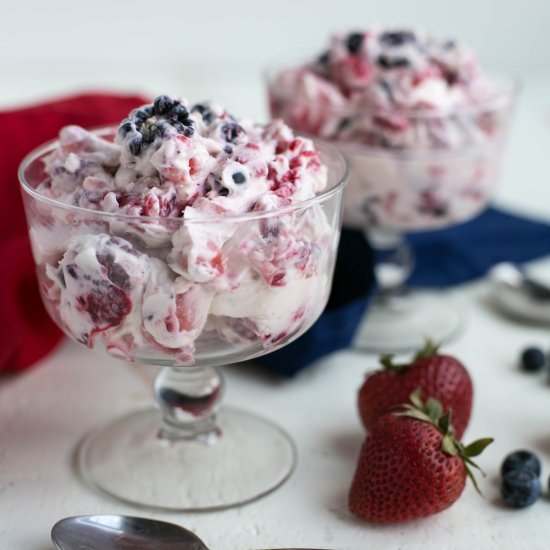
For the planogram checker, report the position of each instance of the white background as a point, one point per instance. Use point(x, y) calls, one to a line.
point(206, 49)
point(215, 49)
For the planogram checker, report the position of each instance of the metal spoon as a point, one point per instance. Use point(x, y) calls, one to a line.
point(115, 532)
point(519, 294)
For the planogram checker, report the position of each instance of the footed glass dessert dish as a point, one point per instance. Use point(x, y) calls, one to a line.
point(424, 132)
point(186, 240)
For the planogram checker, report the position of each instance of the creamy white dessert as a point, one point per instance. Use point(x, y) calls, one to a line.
point(188, 233)
point(419, 121)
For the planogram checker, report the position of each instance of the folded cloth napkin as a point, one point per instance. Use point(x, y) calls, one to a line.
point(443, 258)
point(467, 251)
point(27, 332)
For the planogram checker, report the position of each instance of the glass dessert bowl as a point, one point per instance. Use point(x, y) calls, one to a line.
point(184, 249)
point(424, 133)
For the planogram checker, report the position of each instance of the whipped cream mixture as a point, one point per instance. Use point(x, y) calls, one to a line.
point(156, 262)
point(416, 116)
point(367, 86)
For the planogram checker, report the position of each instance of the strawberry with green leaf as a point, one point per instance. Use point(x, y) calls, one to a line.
point(411, 464)
point(442, 377)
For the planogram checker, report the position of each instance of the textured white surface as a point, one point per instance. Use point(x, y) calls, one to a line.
point(246, 31)
point(45, 411)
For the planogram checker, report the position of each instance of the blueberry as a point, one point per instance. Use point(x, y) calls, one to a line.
point(178, 126)
point(344, 123)
point(182, 129)
point(135, 145)
point(162, 105)
point(238, 177)
point(126, 126)
point(61, 277)
point(139, 117)
point(180, 112)
point(142, 114)
point(533, 359)
point(324, 58)
point(392, 62)
point(521, 460)
point(71, 270)
point(396, 38)
point(387, 87)
point(354, 42)
point(204, 111)
point(439, 211)
point(228, 149)
point(188, 131)
point(520, 488)
point(231, 131)
point(160, 128)
point(223, 192)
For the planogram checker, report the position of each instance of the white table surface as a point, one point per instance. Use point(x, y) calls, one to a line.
point(45, 411)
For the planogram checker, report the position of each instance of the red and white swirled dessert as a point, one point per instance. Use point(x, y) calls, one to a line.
point(187, 235)
point(420, 122)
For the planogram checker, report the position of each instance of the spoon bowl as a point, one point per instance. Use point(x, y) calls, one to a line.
point(117, 532)
point(519, 294)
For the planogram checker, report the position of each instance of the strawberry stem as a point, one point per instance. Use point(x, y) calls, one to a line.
point(429, 350)
point(387, 362)
point(431, 411)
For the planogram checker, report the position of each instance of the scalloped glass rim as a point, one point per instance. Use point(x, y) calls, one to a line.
point(325, 149)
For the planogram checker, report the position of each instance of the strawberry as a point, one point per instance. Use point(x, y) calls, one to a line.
point(411, 465)
point(439, 376)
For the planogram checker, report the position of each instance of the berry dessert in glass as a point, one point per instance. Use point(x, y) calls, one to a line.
point(185, 239)
point(423, 129)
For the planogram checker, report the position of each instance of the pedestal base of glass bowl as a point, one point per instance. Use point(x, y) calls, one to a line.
point(218, 461)
point(402, 324)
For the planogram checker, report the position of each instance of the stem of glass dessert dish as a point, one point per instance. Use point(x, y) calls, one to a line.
point(393, 264)
point(189, 398)
point(188, 453)
point(400, 320)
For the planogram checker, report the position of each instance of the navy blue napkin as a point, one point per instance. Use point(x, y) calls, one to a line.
point(443, 258)
point(465, 252)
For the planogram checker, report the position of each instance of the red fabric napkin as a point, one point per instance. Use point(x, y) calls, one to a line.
point(27, 333)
